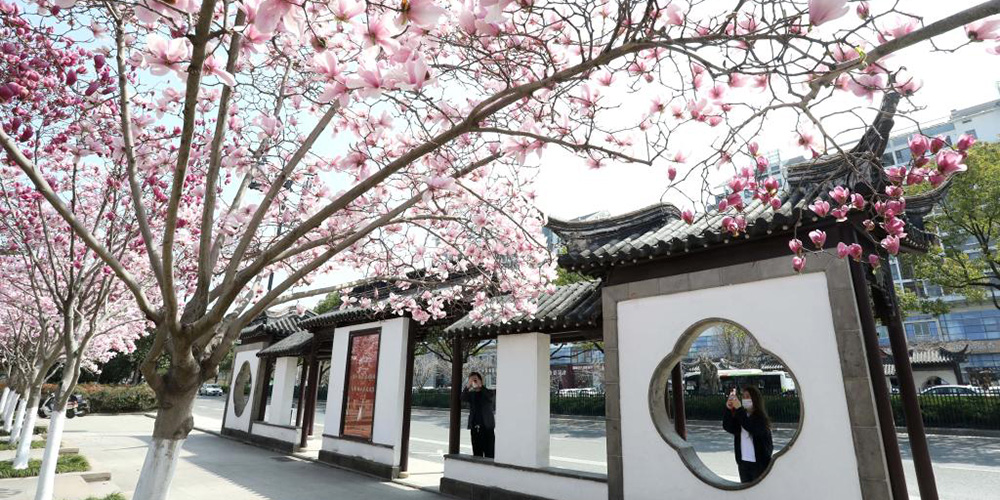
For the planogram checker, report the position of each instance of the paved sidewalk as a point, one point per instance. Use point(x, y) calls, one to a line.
point(212, 468)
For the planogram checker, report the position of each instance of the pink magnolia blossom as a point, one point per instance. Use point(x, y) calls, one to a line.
point(369, 80)
point(687, 216)
point(874, 260)
point(822, 11)
point(675, 14)
point(422, 13)
point(805, 140)
point(820, 208)
point(891, 244)
point(965, 142)
point(937, 143)
point(377, 35)
point(798, 263)
point(164, 56)
point(346, 10)
point(982, 30)
point(864, 10)
point(842, 250)
point(795, 245)
point(857, 201)
point(950, 162)
point(671, 173)
point(919, 144)
point(286, 12)
point(818, 237)
point(840, 194)
point(213, 67)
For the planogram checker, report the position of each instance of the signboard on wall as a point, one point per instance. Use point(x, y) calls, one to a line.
point(362, 378)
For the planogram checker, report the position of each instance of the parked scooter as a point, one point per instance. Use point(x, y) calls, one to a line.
point(76, 406)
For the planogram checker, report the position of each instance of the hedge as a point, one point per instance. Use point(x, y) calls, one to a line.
point(66, 463)
point(35, 445)
point(118, 398)
point(782, 409)
point(976, 412)
point(40, 430)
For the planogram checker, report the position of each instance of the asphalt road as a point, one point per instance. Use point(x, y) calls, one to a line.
point(966, 468)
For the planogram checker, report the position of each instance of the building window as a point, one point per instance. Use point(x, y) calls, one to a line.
point(887, 159)
point(903, 156)
point(922, 330)
point(971, 133)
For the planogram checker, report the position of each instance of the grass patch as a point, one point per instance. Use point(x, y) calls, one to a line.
point(66, 463)
point(39, 431)
point(113, 496)
point(35, 445)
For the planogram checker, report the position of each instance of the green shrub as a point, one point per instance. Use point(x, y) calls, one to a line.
point(35, 445)
point(66, 463)
point(118, 398)
point(976, 412)
point(113, 496)
point(40, 430)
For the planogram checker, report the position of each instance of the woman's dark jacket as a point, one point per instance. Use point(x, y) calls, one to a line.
point(763, 447)
point(480, 407)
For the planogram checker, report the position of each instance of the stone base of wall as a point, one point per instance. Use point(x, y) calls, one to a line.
point(261, 441)
point(469, 491)
point(379, 470)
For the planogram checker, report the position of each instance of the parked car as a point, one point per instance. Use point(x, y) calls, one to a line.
point(951, 390)
point(77, 406)
point(210, 390)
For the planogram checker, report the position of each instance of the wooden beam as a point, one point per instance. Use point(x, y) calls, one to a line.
point(411, 348)
point(876, 371)
point(455, 406)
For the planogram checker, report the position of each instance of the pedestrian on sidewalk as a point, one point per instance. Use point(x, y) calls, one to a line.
point(481, 422)
point(746, 419)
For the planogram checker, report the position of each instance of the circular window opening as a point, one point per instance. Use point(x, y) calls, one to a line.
point(733, 392)
point(241, 390)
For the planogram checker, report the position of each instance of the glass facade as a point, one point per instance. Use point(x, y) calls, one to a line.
point(976, 324)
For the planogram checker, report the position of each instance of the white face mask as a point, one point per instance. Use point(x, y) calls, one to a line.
point(747, 403)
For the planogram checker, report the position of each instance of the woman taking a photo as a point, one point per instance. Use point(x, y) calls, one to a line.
point(746, 419)
point(481, 422)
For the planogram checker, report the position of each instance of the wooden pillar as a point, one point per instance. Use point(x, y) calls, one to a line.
point(302, 392)
point(304, 397)
point(908, 390)
point(883, 406)
point(313, 391)
point(265, 381)
point(677, 383)
point(455, 406)
point(411, 348)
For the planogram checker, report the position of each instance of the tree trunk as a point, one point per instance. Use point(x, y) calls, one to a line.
point(8, 417)
point(18, 419)
point(47, 474)
point(3, 400)
point(27, 431)
point(173, 424)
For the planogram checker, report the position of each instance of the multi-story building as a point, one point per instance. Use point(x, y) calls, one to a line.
point(975, 325)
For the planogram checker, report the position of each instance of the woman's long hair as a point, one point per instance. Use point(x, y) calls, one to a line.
point(758, 404)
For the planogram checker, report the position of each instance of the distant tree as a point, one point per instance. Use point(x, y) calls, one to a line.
point(738, 347)
point(329, 303)
point(968, 225)
point(564, 277)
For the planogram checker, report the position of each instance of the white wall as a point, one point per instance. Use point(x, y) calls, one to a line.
point(522, 400)
point(242, 423)
point(538, 484)
point(280, 408)
point(791, 317)
point(389, 391)
point(286, 434)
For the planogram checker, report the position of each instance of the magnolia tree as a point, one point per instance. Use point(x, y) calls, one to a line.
point(290, 138)
point(65, 288)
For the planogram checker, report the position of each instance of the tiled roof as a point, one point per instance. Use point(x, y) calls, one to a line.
point(571, 307)
point(279, 325)
point(926, 358)
point(658, 231)
point(295, 344)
